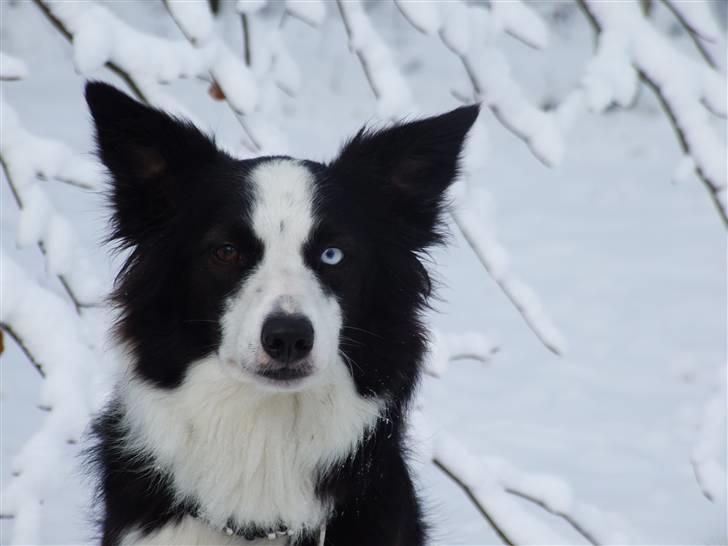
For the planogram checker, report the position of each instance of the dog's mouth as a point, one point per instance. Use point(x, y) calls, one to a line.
point(285, 376)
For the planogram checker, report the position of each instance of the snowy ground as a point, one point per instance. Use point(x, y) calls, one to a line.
point(631, 266)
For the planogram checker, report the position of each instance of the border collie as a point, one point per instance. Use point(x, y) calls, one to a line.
point(271, 310)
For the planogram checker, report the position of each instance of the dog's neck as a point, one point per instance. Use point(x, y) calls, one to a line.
point(243, 455)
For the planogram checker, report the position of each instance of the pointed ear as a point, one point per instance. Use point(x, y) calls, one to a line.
point(412, 164)
point(146, 151)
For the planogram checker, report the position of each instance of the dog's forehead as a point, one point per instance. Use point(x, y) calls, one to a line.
point(283, 203)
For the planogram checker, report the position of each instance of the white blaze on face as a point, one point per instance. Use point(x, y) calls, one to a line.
point(282, 218)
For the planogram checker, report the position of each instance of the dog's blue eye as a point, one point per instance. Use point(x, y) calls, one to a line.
point(332, 256)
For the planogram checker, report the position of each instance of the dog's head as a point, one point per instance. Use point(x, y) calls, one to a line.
point(280, 268)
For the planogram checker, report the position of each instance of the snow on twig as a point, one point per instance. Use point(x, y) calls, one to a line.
point(688, 91)
point(229, 72)
point(12, 68)
point(493, 485)
point(24, 157)
point(312, 12)
point(460, 25)
point(707, 453)
point(389, 86)
point(509, 520)
point(227, 69)
point(446, 348)
point(473, 215)
point(704, 30)
point(49, 330)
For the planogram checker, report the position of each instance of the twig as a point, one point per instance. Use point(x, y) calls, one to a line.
point(37, 365)
point(362, 59)
point(694, 34)
point(474, 499)
point(552, 341)
point(246, 39)
point(566, 517)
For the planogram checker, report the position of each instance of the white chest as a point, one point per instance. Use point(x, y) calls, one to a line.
point(244, 454)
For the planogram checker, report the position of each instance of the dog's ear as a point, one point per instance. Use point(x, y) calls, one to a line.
point(146, 151)
point(411, 164)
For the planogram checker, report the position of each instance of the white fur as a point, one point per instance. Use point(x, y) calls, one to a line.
point(243, 452)
point(282, 217)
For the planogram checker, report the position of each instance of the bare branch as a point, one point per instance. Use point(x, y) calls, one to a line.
point(23, 347)
point(474, 499)
point(558, 513)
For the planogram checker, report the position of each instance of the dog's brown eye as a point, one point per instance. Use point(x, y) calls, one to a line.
point(227, 254)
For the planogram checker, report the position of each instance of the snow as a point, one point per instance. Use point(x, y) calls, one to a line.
point(49, 330)
point(249, 6)
point(445, 348)
point(490, 73)
point(684, 84)
point(194, 17)
point(456, 28)
point(25, 157)
point(474, 217)
point(611, 435)
point(12, 68)
point(684, 170)
point(311, 11)
point(708, 457)
point(235, 80)
point(394, 99)
point(100, 37)
point(423, 15)
point(521, 21)
point(699, 18)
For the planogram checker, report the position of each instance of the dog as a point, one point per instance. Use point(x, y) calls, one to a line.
point(271, 312)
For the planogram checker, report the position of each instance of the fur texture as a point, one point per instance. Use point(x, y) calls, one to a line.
point(271, 312)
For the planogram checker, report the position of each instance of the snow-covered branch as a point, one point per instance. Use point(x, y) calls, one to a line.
point(12, 68)
point(311, 12)
point(493, 485)
point(234, 77)
point(49, 330)
point(24, 157)
point(704, 30)
point(446, 348)
point(228, 72)
point(390, 89)
point(473, 215)
point(708, 457)
point(470, 32)
point(144, 61)
point(688, 91)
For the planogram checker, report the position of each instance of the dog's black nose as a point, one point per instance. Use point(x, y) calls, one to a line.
point(287, 338)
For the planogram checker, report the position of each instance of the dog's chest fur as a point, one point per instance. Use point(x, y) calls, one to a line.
point(242, 454)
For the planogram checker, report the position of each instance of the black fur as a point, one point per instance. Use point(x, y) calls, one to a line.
point(175, 195)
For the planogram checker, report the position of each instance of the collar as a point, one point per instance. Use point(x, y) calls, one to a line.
point(255, 533)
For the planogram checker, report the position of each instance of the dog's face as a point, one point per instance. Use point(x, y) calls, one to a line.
point(281, 268)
